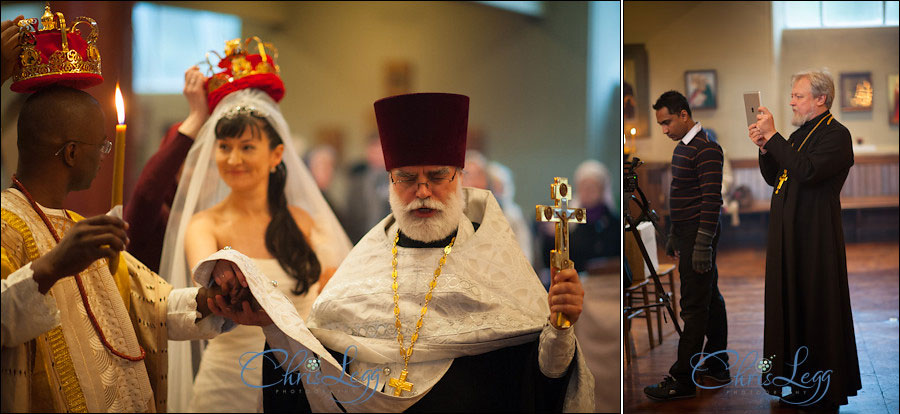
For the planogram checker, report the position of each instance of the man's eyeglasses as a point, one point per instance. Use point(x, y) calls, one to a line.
point(408, 181)
point(105, 146)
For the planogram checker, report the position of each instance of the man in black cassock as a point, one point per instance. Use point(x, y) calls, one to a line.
point(808, 320)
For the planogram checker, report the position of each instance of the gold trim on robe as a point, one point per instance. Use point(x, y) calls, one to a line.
point(68, 365)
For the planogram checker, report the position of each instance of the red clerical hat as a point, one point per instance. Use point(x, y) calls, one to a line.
point(423, 129)
point(56, 54)
point(244, 70)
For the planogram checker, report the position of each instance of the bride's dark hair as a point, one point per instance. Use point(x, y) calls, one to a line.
point(284, 240)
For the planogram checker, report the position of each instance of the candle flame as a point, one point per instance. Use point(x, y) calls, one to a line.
point(633, 131)
point(120, 105)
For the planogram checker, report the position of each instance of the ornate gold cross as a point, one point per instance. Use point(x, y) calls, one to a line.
point(400, 384)
point(781, 181)
point(562, 215)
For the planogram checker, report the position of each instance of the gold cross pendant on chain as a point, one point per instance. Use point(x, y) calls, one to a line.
point(400, 384)
point(781, 181)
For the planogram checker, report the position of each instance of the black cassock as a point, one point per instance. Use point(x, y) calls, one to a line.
point(807, 299)
point(505, 380)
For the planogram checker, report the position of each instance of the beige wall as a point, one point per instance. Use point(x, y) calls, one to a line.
point(847, 50)
point(526, 77)
point(734, 38)
point(739, 41)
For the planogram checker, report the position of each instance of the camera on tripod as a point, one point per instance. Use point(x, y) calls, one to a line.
point(636, 195)
point(629, 176)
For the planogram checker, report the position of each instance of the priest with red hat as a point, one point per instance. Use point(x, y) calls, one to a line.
point(436, 308)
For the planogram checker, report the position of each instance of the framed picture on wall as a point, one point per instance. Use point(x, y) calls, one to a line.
point(894, 98)
point(700, 88)
point(635, 95)
point(856, 91)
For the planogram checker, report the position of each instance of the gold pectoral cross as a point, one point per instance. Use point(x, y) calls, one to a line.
point(781, 181)
point(562, 215)
point(400, 384)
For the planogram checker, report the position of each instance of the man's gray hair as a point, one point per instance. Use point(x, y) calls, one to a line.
point(821, 82)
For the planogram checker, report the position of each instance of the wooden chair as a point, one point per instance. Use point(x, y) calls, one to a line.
point(640, 289)
point(663, 271)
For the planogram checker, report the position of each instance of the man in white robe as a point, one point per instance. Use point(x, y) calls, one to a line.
point(484, 340)
point(94, 342)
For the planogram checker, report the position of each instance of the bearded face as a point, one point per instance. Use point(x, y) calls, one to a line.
point(427, 213)
point(804, 104)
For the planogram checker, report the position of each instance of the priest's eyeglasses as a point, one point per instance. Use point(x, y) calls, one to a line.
point(105, 146)
point(407, 181)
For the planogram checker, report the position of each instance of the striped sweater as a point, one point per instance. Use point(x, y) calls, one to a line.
point(696, 191)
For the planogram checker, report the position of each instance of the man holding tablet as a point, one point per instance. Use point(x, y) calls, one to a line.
point(807, 299)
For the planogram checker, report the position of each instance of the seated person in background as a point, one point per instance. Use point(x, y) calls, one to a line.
point(599, 237)
point(367, 192)
point(322, 164)
point(478, 174)
point(500, 180)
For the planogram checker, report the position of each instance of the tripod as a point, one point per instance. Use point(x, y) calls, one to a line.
point(647, 214)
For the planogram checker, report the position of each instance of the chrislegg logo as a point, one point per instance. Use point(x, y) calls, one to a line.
point(808, 387)
point(303, 367)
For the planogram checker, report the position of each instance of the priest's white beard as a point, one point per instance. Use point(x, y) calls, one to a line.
point(429, 229)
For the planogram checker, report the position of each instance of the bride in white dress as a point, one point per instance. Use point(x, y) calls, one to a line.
point(243, 186)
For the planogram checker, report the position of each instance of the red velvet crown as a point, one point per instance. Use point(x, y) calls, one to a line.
point(243, 70)
point(56, 54)
point(423, 129)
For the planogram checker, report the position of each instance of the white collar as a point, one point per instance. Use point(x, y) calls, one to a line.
point(690, 134)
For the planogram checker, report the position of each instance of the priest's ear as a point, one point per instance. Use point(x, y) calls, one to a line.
point(821, 99)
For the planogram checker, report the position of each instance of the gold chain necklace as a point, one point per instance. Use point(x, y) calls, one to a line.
point(784, 174)
point(400, 384)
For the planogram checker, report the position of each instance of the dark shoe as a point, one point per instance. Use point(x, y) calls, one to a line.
point(719, 377)
point(670, 389)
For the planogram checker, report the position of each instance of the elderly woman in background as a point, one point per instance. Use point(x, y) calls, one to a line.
point(599, 237)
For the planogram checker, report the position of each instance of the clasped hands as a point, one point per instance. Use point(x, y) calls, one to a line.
point(230, 296)
point(764, 128)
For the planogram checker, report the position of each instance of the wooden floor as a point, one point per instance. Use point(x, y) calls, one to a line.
point(873, 273)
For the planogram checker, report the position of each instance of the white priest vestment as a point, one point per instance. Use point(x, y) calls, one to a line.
point(487, 298)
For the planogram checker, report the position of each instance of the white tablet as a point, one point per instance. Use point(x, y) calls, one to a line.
point(751, 106)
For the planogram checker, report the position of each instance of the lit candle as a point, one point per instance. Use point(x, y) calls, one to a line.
point(119, 161)
point(633, 133)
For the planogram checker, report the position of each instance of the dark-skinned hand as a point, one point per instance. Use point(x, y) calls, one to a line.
point(237, 302)
point(9, 47)
point(88, 241)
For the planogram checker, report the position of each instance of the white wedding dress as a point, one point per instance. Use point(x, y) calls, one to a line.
point(221, 382)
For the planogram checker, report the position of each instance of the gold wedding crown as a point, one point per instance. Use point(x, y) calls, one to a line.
point(56, 53)
point(242, 68)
